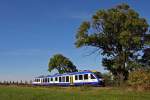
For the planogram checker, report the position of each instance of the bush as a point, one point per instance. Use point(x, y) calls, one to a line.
point(108, 79)
point(140, 79)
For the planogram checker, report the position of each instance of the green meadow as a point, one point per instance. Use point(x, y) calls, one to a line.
point(70, 93)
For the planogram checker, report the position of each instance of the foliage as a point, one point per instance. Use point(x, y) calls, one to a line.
point(140, 78)
point(147, 39)
point(108, 79)
point(145, 60)
point(118, 33)
point(61, 63)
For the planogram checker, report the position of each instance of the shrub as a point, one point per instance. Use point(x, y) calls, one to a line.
point(108, 79)
point(140, 79)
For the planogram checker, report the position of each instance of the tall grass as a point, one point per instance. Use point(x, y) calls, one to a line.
point(70, 93)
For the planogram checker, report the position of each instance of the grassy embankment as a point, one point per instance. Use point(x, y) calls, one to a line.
point(70, 93)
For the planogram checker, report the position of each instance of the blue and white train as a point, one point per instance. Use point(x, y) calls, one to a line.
point(70, 79)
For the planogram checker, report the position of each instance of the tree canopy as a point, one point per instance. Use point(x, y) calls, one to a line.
point(118, 33)
point(145, 60)
point(61, 64)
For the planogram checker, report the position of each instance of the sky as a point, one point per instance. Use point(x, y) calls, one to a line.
point(32, 31)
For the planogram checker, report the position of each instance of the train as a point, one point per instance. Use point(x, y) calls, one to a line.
point(70, 79)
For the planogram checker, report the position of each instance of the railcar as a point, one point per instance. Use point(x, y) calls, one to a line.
point(70, 79)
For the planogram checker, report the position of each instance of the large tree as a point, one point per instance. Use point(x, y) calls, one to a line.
point(118, 33)
point(61, 64)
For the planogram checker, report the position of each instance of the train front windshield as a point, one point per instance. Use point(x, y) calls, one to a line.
point(98, 74)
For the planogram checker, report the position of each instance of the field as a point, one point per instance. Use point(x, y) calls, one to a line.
point(70, 93)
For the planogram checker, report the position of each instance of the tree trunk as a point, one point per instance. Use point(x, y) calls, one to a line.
point(120, 78)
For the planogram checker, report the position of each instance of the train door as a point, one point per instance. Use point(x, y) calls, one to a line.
point(71, 80)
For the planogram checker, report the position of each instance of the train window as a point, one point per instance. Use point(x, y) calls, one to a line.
point(80, 77)
point(59, 79)
point(63, 79)
point(92, 77)
point(76, 77)
point(85, 76)
point(47, 79)
point(67, 78)
point(51, 79)
point(56, 79)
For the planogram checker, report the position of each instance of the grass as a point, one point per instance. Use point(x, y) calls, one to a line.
point(70, 93)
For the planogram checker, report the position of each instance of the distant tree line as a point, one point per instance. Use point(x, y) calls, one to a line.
point(15, 82)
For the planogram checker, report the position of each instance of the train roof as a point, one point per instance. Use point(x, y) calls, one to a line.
point(72, 73)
